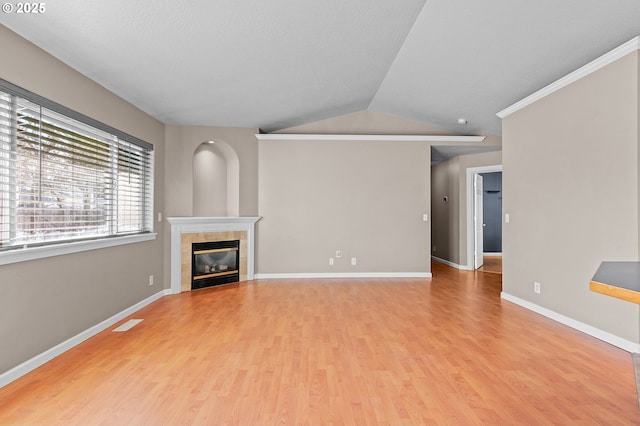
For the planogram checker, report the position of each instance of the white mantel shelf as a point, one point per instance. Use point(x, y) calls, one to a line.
point(223, 221)
point(188, 225)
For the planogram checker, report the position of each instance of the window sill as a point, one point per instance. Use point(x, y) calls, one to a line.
point(34, 253)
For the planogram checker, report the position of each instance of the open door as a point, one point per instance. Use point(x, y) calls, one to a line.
point(478, 222)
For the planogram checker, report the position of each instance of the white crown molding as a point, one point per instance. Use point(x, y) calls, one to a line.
point(593, 66)
point(305, 275)
point(397, 138)
point(46, 356)
point(612, 339)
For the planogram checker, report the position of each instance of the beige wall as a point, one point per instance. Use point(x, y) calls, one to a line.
point(47, 301)
point(359, 194)
point(445, 229)
point(449, 226)
point(181, 144)
point(570, 181)
point(210, 182)
point(363, 198)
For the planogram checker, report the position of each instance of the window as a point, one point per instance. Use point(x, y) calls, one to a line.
point(65, 177)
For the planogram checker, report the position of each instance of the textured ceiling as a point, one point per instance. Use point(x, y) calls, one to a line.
point(274, 64)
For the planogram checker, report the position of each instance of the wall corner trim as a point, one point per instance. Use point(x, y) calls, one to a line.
point(453, 265)
point(593, 66)
point(612, 339)
point(38, 360)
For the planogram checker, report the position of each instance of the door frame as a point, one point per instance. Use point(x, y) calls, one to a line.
point(471, 171)
point(478, 221)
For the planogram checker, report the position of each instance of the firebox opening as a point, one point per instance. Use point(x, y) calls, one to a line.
point(215, 263)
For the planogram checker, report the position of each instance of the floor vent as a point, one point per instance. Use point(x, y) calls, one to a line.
point(128, 325)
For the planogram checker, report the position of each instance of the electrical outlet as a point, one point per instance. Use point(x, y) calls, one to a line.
point(353, 260)
point(150, 279)
point(338, 254)
point(331, 261)
point(536, 287)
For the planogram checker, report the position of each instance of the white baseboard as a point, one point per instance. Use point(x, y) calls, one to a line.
point(612, 339)
point(345, 275)
point(35, 362)
point(492, 254)
point(453, 265)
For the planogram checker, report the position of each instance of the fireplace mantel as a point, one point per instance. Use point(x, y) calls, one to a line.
point(195, 225)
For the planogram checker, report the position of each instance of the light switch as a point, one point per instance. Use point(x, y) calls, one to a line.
point(506, 218)
point(425, 217)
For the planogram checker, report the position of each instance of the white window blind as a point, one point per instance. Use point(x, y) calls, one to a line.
point(65, 177)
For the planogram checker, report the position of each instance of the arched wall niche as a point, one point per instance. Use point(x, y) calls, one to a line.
point(216, 180)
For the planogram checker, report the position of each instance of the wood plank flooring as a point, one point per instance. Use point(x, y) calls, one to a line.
point(492, 264)
point(445, 350)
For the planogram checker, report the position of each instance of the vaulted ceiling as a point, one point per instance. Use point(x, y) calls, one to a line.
point(274, 64)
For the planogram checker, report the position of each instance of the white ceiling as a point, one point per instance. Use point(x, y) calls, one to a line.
point(274, 64)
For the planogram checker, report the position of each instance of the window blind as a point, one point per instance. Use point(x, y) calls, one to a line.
point(62, 178)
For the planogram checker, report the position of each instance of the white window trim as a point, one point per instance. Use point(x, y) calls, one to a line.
point(53, 248)
point(41, 252)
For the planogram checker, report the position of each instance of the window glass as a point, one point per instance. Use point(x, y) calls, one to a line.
point(62, 179)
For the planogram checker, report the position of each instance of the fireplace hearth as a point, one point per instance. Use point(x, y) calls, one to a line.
point(214, 263)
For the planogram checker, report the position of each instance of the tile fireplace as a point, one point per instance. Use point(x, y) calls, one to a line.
point(187, 233)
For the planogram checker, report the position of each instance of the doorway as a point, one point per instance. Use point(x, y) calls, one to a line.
point(475, 225)
point(492, 211)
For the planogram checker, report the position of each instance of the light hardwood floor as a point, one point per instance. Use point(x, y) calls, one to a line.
point(445, 350)
point(492, 264)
